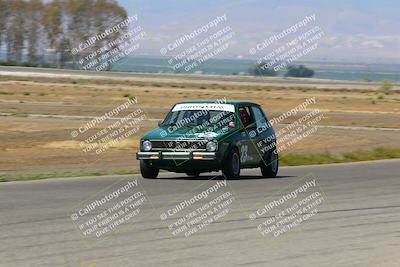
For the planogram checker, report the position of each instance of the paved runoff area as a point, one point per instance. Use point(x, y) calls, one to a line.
point(340, 214)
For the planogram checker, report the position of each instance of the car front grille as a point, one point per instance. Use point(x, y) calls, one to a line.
point(178, 145)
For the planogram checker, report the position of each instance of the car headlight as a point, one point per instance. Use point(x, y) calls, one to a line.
point(146, 146)
point(211, 146)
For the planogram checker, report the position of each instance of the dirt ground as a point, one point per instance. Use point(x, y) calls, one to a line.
point(38, 115)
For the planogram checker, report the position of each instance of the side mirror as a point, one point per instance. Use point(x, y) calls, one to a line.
point(159, 123)
point(231, 125)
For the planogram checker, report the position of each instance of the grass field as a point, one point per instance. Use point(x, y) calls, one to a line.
point(38, 115)
point(286, 160)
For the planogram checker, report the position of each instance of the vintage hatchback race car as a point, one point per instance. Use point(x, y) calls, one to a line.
point(204, 136)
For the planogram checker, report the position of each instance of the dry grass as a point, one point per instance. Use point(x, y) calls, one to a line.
point(45, 144)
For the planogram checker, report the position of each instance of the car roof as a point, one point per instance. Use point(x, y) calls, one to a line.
point(235, 102)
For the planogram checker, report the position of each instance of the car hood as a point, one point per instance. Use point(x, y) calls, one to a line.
point(165, 133)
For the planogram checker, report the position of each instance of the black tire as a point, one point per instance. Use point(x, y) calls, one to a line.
point(231, 167)
point(270, 164)
point(147, 171)
point(193, 174)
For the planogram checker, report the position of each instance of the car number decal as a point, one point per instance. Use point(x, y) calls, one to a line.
point(244, 153)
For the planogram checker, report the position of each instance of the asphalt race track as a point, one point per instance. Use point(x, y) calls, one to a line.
point(357, 224)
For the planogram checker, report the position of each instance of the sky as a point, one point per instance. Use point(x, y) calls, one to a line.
point(354, 30)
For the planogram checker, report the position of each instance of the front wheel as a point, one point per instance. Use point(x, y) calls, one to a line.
point(231, 167)
point(270, 164)
point(147, 171)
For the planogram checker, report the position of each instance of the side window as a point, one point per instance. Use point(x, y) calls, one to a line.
point(246, 116)
point(259, 116)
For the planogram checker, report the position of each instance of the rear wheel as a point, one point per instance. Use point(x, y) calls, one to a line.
point(231, 167)
point(147, 171)
point(270, 164)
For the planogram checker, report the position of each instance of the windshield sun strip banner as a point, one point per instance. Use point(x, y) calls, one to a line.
point(204, 106)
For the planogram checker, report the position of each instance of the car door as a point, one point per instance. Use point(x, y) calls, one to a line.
point(263, 138)
point(247, 150)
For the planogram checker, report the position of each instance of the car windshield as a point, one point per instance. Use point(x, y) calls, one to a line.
point(194, 118)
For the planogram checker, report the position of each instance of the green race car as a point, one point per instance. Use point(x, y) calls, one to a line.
point(206, 136)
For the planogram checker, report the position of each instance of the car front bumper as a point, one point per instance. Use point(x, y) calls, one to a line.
point(164, 155)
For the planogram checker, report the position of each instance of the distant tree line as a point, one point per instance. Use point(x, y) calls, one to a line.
point(263, 69)
point(298, 71)
point(30, 29)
